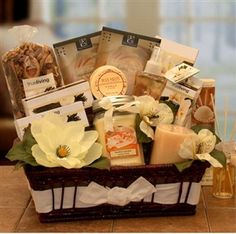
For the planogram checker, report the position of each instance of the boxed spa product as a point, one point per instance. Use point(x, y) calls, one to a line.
point(77, 57)
point(73, 112)
point(176, 53)
point(185, 94)
point(126, 51)
point(78, 91)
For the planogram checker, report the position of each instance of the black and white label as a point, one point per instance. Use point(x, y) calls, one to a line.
point(37, 85)
point(83, 43)
point(130, 40)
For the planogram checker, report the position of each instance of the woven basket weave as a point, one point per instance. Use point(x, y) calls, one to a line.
point(41, 179)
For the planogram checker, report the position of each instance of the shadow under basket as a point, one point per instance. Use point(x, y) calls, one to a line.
point(56, 191)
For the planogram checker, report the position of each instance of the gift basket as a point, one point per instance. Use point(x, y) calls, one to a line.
point(126, 138)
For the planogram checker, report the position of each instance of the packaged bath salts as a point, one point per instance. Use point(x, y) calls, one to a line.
point(30, 68)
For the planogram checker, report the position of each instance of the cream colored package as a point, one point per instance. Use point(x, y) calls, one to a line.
point(128, 52)
point(178, 53)
point(77, 57)
point(73, 112)
point(68, 94)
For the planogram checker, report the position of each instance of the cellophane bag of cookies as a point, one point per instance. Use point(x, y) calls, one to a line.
point(30, 68)
point(129, 52)
point(77, 57)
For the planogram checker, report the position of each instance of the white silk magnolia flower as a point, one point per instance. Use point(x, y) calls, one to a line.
point(152, 113)
point(199, 146)
point(62, 143)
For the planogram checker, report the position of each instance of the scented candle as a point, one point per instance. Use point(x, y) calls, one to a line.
point(167, 141)
point(120, 145)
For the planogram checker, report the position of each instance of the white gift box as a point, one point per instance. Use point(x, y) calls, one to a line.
point(78, 91)
point(73, 111)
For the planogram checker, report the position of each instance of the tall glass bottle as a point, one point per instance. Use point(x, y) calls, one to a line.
point(223, 178)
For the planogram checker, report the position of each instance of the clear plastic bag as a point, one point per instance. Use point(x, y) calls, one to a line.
point(29, 69)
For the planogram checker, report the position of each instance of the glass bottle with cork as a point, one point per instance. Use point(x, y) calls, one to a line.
point(151, 81)
point(223, 178)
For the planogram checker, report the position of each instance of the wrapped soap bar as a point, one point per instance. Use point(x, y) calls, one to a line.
point(30, 68)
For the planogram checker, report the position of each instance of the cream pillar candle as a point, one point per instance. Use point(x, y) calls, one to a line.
point(167, 141)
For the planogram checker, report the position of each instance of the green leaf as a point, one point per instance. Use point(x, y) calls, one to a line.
point(21, 151)
point(141, 136)
point(101, 163)
point(219, 156)
point(199, 127)
point(183, 165)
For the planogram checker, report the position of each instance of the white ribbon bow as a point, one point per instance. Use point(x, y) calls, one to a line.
point(106, 104)
point(96, 194)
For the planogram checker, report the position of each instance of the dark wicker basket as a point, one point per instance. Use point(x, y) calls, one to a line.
point(41, 179)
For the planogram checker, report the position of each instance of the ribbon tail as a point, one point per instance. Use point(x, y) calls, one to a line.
point(108, 120)
point(94, 194)
point(140, 189)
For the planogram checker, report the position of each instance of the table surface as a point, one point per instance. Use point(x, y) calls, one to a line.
point(17, 213)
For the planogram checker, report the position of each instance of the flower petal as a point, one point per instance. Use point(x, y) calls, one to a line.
point(93, 154)
point(72, 131)
point(145, 128)
point(165, 114)
point(41, 158)
point(188, 148)
point(207, 141)
point(77, 150)
point(89, 138)
point(70, 163)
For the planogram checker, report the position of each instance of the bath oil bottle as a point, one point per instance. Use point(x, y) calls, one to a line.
point(223, 178)
point(151, 81)
point(223, 181)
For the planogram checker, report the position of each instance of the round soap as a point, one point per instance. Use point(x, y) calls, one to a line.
point(107, 81)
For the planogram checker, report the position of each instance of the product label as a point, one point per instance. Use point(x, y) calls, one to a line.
point(180, 72)
point(130, 40)
point(122, 142)
point(37, 85)
point(83, 43)
point(110, 82)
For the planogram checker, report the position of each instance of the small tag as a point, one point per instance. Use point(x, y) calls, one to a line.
point(37, 85)
point(83, 43)
point(180, 72)
point(130, 40)
point(209, 158)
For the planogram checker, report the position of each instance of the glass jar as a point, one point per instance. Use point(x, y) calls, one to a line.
point(223, 181)
point(121, 144)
